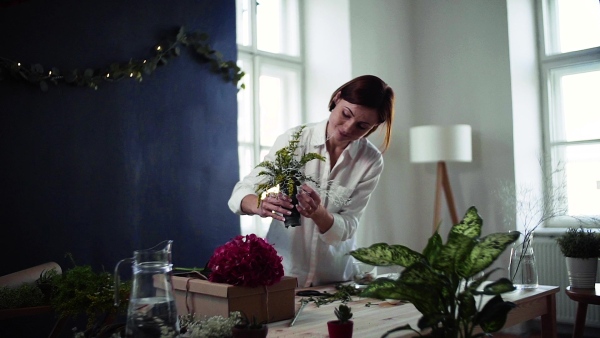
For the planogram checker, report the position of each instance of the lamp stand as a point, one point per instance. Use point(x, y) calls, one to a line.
point(443, 183)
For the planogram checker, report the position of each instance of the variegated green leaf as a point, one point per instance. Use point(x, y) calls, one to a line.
point(467, 305)
point(485, 252)
point(470, 225)
point(500, 286)
point(434, 246)
point(453, 252)
point(493, 315)
point(382, 254)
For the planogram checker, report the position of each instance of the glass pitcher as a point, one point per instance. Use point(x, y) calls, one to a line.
point(151, 311)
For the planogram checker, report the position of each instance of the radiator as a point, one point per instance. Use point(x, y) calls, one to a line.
point(552, 270)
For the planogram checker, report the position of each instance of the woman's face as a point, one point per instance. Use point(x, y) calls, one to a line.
point(349, 122)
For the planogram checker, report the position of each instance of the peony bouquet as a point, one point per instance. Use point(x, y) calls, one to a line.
point(246, 261)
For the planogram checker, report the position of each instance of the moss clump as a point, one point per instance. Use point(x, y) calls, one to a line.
point(26, 295)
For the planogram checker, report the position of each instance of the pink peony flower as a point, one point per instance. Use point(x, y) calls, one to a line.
point(246, 261)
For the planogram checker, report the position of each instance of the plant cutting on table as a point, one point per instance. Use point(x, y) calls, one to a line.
point(440, 282)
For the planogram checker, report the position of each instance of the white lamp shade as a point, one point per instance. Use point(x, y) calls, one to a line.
point(441, 143)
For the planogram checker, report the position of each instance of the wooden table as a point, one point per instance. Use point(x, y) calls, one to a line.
point(6, 314)
point(380, 316)
point(583, 297)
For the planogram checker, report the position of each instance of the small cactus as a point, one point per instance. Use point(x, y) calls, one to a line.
point(343, 313)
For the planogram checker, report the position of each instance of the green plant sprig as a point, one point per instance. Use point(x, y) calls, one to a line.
point(133, 69)
point(80, 290)
point(343, 293)
point(286, 170)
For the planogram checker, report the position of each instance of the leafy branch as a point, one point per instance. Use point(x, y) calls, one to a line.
point(286, 170)
point(343, 293)
point(164, 51)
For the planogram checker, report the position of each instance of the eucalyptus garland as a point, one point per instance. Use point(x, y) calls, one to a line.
point(133, 69)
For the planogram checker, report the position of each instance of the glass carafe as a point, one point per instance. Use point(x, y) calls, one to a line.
point(151, 311)
point(522, 269)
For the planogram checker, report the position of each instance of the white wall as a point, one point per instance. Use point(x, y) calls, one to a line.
point(448, 62)
point(382, 45)
point(327, 53)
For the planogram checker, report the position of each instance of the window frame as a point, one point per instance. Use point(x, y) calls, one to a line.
point(551, 63)
point(257, 59)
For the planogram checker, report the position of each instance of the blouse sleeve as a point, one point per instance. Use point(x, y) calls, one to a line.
point(345, 222)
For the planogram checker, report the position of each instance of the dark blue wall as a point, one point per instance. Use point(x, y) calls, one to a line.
point(102, 173)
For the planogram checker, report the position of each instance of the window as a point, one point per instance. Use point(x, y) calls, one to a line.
point(269, 51)
point(570, 70)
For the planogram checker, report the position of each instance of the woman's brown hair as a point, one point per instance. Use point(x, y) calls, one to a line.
point(370, 91)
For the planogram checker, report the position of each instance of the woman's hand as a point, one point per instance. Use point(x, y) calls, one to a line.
point(309, 201)
point(275, 205)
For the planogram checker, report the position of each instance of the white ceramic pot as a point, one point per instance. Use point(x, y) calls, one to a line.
point(582, 272)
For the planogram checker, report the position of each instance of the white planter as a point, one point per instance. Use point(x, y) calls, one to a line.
point(582, 272)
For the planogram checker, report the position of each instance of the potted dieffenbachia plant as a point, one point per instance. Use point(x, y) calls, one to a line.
point(441, 281)
point(286, 172)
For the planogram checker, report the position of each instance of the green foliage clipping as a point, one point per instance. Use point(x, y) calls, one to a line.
point(79, 290)
point(163, 52)
point(286, 170)
point(25, 295)
point(441, 281)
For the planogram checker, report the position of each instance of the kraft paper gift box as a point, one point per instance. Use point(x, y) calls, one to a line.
point(267, 304)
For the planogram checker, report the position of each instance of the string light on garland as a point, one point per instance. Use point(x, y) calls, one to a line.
point(165, 50)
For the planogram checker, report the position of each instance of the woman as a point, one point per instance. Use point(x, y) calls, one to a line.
point(316, 252)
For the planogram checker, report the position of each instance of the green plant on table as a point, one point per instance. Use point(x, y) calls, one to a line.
point(579, 243)
point(80, 290)
point(343, 313)
point(440, 281)
point(24, 295)
point(193, 326)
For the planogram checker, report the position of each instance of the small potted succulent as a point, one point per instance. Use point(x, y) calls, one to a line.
point(286, 172)
point(343, 326)
point(581, 249)
point(249, 329)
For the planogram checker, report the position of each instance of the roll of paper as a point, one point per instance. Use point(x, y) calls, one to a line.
point(29, 275)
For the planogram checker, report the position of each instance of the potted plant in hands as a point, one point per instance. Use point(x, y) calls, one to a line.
point(286, 172)
point(441, 282)
point(343, 326)
point(581, 249)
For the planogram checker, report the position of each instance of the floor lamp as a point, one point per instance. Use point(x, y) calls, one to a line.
point(441, 144)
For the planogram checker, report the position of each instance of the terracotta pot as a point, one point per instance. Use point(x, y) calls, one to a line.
point(244, 332)
point(338, 329)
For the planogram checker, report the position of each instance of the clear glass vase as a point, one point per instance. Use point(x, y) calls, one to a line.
point(522, 269)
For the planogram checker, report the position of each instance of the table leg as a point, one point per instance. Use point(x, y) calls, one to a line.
point(58, 327)
point(580, 320)
point(549, 319)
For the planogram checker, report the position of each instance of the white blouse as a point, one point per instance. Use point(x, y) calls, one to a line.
point(320, 258)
